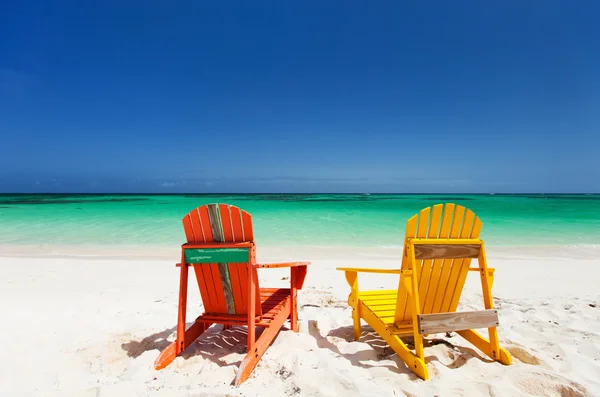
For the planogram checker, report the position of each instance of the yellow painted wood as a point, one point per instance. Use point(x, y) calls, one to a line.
point(368, 270)
point(436, 267)
point(402, 302)
point(485, 346)
point(415, 307)
point(458, 266)
point(426, 265)
point(376, 306)
point(378, 298)
point(416, 267)
point(354, 302)
point(380, 292)
point(414, 363)
point(474, 234)
point(459, 241)
point(446, 267)
point(488, 303)
point(400, 329)
point(423, 222)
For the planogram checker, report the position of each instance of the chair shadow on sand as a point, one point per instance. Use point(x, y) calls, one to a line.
point(215, 344)
point(370, 337)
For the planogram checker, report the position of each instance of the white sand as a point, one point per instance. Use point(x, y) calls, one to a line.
point(93, 326)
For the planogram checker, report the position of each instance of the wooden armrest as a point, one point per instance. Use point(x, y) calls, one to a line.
point(367, 270)
point(352, 274)
point(476, 269)
point(280, 265)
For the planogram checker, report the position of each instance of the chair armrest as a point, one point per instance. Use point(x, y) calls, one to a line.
point(297, 271)
point(491, 270)
point(367, 270)
point(280, 265)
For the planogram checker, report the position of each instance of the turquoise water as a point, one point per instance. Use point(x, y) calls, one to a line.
point(329, 220)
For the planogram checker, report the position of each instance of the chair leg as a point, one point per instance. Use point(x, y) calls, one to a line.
point(168, 354)
point(182, 307)
point(260, 347)
point(356, 325)
point(294, 299)
point(413, 362)
point(485, 346)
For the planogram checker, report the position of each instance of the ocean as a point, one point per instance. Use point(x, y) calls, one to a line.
point(292, 219)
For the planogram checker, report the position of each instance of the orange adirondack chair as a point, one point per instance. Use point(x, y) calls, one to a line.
point(220, 246)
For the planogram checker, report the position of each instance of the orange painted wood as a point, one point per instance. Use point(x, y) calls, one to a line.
point(236, 287)
point(294, 299)
point(182, 308)
point(188, 228)
point(203, 286)
point(252, 285)
point(247, 226)
point(300, 276)
point(234, 236)
point(167, 356)
point(226, 223)
point(205, 223)
point(236, 225)
point(217, 245)
point(215, 285)
point(254, 306)
point(256, 352)
point(278, 265)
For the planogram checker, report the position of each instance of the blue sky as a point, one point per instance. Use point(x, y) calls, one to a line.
point(338, 96)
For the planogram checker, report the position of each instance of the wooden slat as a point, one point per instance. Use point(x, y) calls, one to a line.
point(212, 275)
point(247, 226)
point(423, 222)
point(201, 277)
point(236, 287)
point(205, 224)
point(197, 232)
point(436, 267)
point(446, 268)
point(217, 213)
point(455, 286)
point(217, 288)
point(203, 245)
point(447, 322)
point(216, 255)
point(239, 271)
point(187, 228)
point(426, 267)
point(397, 329)
point(446, 251)
point(402, 301)
point(226, 226)
point(477, 225)
point(215, 223)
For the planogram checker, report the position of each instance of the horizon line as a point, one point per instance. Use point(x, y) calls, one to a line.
point(286, 193)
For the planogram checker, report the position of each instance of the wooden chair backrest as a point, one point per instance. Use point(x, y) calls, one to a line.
point(222, 273)
point(441, 269)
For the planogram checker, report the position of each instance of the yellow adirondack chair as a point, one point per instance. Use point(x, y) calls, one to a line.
point(439, 244)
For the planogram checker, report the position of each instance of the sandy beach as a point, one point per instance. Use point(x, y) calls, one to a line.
point(92, 325)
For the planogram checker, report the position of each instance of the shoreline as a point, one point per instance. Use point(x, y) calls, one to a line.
point(159, 252)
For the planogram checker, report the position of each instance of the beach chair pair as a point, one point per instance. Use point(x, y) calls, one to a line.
point(440, 243)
